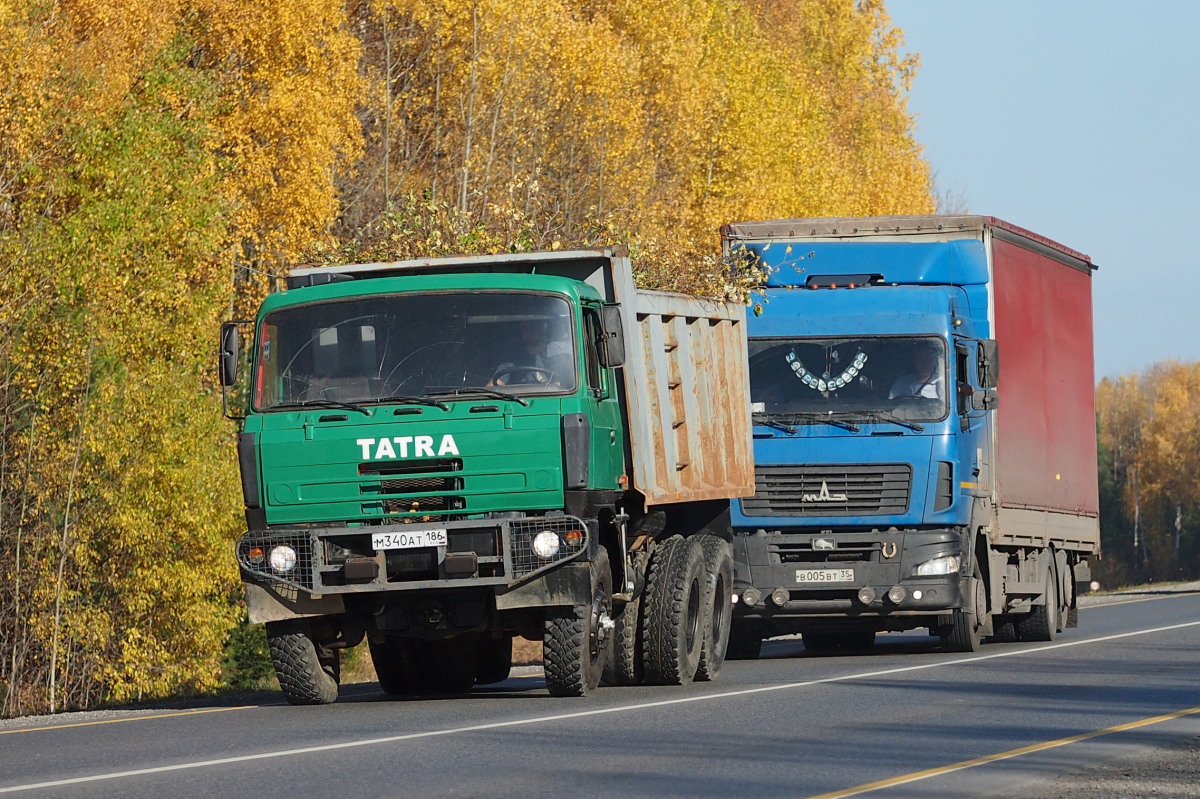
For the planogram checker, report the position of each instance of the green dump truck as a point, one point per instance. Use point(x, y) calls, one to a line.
point(441, 455)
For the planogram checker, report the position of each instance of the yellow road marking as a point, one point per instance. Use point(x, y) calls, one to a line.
point(1024, 750)
point(195, 712)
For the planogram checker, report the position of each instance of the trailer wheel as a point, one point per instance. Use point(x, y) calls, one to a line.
point(718, 567)
point(305, 677)
point(495, 660)
point(964, 631)
point(576, 642)
point(745, 642)
point(625, 661)
point(395, 665)
point(1042, 623)
point(675, 613)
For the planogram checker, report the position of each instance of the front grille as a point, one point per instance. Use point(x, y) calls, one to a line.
point(415, 485)
point(830, 490)
point(423, 466)
point(300, 542)
point(523, 531)
point(405, 486)
point(423, 504)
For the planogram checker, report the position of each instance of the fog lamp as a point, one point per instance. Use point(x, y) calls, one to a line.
point(546, 544)
point(751, 597)
point(866, 595)
point(283, 558)
point(896, 594)
point(780, 596)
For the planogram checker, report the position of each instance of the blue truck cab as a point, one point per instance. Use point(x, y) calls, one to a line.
point(873, 386)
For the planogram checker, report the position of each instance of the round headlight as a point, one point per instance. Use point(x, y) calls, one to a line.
point(283, 558)
point(546, 544)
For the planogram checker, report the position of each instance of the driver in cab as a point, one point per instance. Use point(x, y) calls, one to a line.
point(537, 359)
point(924, 379)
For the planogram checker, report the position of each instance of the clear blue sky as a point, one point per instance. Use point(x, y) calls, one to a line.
point(1080, 121)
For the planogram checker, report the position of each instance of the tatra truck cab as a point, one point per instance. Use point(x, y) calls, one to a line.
point(924, 433)
point(440, 455)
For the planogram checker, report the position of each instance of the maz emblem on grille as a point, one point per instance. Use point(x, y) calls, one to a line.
point(824, 495)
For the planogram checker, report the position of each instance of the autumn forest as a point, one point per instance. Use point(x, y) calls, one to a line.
point(163, 163)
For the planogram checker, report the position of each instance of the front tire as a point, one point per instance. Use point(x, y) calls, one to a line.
point(305, 677)
point(675, 613)
point(576, 641)
point(965, 629)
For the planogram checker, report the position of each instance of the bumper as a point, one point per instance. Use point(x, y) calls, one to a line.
point(496, 554)
point(782, 575)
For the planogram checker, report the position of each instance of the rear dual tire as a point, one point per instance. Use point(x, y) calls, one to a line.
point(675, 613)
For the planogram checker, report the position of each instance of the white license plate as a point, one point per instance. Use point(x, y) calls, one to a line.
point(409, 539)
point(808, 576)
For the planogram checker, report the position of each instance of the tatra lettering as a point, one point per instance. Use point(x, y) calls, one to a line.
point(421, 446)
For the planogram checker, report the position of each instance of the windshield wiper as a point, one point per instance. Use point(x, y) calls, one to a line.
point(402, 399)
point(767, 421)
point(819, 417)
point(485, 390)
point(884, 416)
point(324, 403)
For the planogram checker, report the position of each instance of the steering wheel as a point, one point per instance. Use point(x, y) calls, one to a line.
point(539, 374)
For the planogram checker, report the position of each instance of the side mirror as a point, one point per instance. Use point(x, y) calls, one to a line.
point(989, 363)
point(984, 399)
point(612, 337)
point(228, 364)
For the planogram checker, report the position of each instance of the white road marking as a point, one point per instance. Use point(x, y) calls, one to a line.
point(197, 764)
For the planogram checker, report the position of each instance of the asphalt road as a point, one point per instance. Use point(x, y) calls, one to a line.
point(1066, 718)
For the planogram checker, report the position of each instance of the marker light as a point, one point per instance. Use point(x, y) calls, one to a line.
point(546, 544)
point(256, 555)
point(283, 559)
point(947, 564)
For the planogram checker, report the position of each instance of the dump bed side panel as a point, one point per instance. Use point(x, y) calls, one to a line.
point(687, 392)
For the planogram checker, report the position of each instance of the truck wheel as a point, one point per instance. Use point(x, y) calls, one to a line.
point(625, 661)
point(395, 666)
point(965, 628)
point(675, 613)
point(495, 660)
point(1041, 624)
point(1004, 630)
point(718, 567)
point(576, 642)
point(745, 642)
point(304, 677)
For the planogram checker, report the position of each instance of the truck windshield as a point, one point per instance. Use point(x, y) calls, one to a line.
point(867, 379)
point(407, 346)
